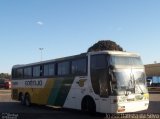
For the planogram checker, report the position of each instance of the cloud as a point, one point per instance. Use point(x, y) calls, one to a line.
point(40, 23)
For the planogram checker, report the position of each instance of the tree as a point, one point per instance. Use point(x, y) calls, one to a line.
point(105, 45)
point(5, 76)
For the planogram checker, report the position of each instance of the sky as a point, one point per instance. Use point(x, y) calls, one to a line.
point(70, 27)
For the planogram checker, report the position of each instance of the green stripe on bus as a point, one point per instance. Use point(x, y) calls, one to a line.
point(63, 92)
point(60, 91)
point(54, 91)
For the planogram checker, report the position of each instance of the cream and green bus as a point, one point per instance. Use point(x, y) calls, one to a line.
point(101, 81)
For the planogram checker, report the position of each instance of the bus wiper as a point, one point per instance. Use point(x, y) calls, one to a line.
point(140, 88)
point(131, 84)
point(138, 85)
point(131, 87)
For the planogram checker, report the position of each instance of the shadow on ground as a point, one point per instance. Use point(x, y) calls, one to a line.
point(43, 112)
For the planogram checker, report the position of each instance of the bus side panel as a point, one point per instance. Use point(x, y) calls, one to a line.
point(40, 95)
point(53, 91)
point(78, 90)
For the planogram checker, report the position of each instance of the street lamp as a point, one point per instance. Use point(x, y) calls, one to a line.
point(41, 49)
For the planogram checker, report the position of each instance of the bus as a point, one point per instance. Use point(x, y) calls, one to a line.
point(100, 81)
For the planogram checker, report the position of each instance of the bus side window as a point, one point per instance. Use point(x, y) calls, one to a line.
point(37, 71)
point(49, 69)
point(63, 68)
point(79, 66)
point(19, 73)
point(46, 70)
point(13, 73)
point(27, 72)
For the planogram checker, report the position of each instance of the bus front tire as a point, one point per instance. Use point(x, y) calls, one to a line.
point(88, 105)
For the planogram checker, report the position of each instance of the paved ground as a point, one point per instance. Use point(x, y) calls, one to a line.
point(10, 108)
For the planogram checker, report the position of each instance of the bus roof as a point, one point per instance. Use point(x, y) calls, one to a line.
point(52, 60)
point(115, 53)
point(79, 56)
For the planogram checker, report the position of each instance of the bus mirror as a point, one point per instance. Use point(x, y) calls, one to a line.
point(113, 81)
point(112, 77)
point(111, 67)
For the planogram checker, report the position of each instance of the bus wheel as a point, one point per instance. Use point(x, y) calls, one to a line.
point(21, 98)
point(88, 105)
point(27, 100)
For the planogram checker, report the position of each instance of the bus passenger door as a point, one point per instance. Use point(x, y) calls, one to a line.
point(100, 80)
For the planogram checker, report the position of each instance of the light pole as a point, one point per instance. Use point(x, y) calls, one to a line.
point(41, 49)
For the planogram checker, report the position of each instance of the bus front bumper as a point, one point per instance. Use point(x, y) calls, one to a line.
point(128, 107)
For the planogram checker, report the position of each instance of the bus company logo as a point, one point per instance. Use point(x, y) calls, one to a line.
point(81, 82)
point(33, 83)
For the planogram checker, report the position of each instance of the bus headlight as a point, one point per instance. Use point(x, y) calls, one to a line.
point(146, 96)
point(121, 109)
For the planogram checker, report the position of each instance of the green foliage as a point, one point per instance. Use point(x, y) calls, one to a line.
point(5, 76)
point(105, 45)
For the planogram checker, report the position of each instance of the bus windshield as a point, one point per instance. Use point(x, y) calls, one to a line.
point(128, 78)
point(125, 60)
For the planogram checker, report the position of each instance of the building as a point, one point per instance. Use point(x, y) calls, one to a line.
point(153, 74)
